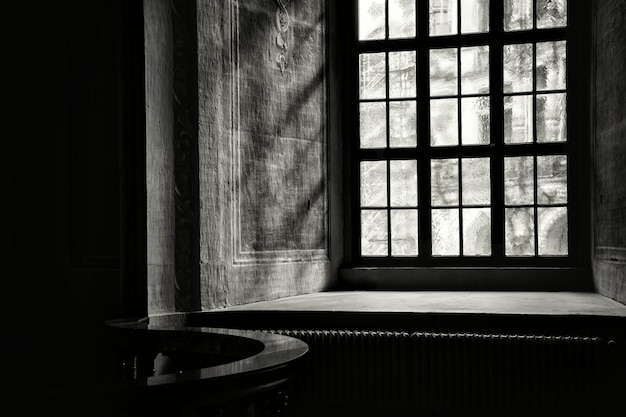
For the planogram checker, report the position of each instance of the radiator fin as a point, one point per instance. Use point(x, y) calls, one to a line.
point(451, 371)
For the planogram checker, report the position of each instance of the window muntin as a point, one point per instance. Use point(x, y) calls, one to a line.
point(475, 114)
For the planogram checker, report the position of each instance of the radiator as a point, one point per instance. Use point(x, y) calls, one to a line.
point(448, 372)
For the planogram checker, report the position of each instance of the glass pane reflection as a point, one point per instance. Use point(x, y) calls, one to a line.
point(374, 233)
point(374, 184)
point(444, 130)
point(519, 231)
point(444, 182)
point(404, 233)
point(445, 232)
point(477, 232)
point(443, 17)
point(552, 231)
point(373, 126)
point(401, 19)
point(371, 19)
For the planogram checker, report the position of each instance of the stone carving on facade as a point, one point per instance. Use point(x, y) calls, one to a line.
point(282, 38)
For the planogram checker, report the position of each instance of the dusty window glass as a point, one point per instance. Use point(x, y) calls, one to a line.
point(403, 188)
point(372, 75)
point(445, 232)
point(443, 72)
point(518, 15)
point(551, 65)
point(551, 13)
point(475, 70)
point(374, 233)
point(476, 181)
point(374, 184)
point(402, 124)
point(404, 228)
point(552, 179)
point(518, 68)
point(475, 120)
point(402, 82)
point(518, 119)
point(551, 117)
point(402, 18)
point(519, 231)
point(477, 232)
point(444, 179)
point(443, 17)
point(373, 125)
point(519, 180)
point(552, 231)
point(371, 19)
point(444, 122)
point(474, 16)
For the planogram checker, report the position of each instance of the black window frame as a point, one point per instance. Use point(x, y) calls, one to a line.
point(578, 35)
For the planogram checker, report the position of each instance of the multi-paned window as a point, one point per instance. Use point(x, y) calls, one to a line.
point(463, 151)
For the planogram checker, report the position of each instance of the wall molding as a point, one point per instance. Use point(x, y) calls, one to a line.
point(610, 254)
point(185, 137)
point(240, 255)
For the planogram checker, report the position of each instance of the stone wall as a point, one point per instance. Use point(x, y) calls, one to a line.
point(159, 155)
point(610, 150)
point(262, 150)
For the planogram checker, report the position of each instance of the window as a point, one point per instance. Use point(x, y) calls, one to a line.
point(462, 148)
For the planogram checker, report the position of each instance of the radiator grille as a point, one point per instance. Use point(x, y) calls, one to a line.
point(449, 372)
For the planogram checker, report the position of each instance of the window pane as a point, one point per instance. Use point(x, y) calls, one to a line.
point(443, 17)
point(552, 179)
point(443, 72)
point(445, 232)
point(474, 16)
point(444, 122)
point(374, 183)
point(552, 229)
point(371, 19)
point(519, 180)
point(518, 15)
point(518, 119)
point(551, 118)
point(551, 13)
point(444, 182)
point(518, 68)
point(533, 82)
point(475, 126)
point(374, 233)
point(402, 124)
point(551, 63)
point(373, 125)
point(404, 232)
point(476, 181)
point(475, 70)
point(372, 75)
point(477, 232)
point(401, 18)
point(519, 232)
point(402, 74)
point(403, 175)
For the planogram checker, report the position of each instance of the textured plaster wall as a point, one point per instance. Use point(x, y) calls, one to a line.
point(610, 150)
point(159, 155)
point(263, 150)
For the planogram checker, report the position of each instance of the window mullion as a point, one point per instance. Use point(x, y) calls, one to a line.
point(497, 131)
point(388, 173)
point(353, 99)
point(423, 134)
point(459, 124)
